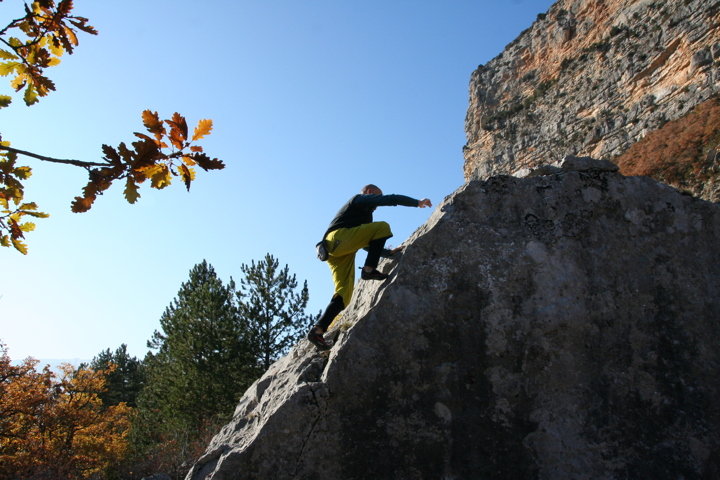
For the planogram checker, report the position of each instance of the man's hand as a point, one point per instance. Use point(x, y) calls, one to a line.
point(424, 203)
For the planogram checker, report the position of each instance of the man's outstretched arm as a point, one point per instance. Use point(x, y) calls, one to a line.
point(392, 200)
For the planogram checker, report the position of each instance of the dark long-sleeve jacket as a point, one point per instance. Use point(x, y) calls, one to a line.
point(359, 209)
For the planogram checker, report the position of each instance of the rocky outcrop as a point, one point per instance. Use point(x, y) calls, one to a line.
point(560, 324)
point(592, 77)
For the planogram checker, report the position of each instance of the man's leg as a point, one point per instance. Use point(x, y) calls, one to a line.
point(316, 333)
point(371, 236)
point(343, 243)
point(349, 240)
point(375, 248)
point(343, 273)
point(335, 306)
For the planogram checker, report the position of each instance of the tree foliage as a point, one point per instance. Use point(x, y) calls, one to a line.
point(123, 376)
point(202, 362)
point(682, 153)
point(214, 341)
point(35, 42)
point(56, 428)
point(273, 308)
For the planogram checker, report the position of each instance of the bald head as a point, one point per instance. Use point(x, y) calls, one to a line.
point(371, 189)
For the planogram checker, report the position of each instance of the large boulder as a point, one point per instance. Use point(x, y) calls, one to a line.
point(561, 324)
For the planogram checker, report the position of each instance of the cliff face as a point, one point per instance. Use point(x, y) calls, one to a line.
point(558, 326)
point(592, 77)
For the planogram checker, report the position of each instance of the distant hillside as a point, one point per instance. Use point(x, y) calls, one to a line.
point(56, 362)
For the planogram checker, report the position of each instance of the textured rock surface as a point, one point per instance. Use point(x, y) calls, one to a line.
point(557, 326)
point(591, 77)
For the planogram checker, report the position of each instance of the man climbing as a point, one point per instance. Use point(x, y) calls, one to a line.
point(352, 229)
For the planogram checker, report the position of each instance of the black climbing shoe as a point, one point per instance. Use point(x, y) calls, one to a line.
point(373, 275)
point(318, 340)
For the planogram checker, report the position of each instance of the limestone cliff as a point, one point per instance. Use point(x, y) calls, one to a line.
point(592, 77)
point(563, 325)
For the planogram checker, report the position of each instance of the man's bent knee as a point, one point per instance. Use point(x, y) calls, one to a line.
point(382, 230)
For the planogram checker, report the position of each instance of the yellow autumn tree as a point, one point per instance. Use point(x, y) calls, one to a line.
point(36, 41)
point(55, 426)
point(23, 397)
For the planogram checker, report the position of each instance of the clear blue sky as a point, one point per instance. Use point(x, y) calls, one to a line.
point(310, 101)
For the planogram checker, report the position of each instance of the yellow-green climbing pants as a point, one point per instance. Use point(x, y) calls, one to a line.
point(342, 245)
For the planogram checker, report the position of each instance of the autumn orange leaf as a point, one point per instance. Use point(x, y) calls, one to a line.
point(18, 83)
point(146, 152)
point(27, 226)
point(178, 130)
point(81, 204)
point(30, 96)
point(23, 173)
point(153, 124)
point(64, 7)
point(158, 142)
point(176, 137)
point(15, 230)
point(19, 246)
point(161, 178)
point(71, 36)
point(206, 163)
point(125, 153)
point(186, 175)
point(204, 127)
point(80, 23)
point(111, 154)
point(6, 68)
point(43, 85)
point(4, 54)
point(131, 191)
point(179, 120)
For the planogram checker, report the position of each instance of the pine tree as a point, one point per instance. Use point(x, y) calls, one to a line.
point(274, 310)
point(203, 361)
point(124, 381)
